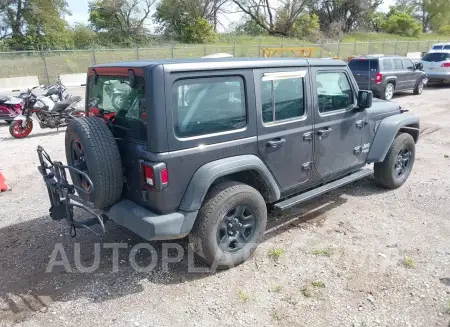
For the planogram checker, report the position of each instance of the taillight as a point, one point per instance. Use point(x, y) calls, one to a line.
point(149, 177)
point(156, 177)
point(446, 64)
point(378, 78)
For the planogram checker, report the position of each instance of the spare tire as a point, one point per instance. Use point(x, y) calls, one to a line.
point(91, 148)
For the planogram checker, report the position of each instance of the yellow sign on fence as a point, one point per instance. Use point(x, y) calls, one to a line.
point(297, 52)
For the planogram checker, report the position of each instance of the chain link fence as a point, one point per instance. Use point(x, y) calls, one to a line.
point(47, 65)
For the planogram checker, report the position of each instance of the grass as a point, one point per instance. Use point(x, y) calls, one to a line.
point(275, 254)
point(278, 314)
point(307, 291)
point(243, 296)
point(76, 61)
point(323, 252)
point(276, 289)
point(409, 262)
point(318, 284)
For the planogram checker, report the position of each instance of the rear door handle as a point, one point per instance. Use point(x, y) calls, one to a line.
point(276, 143)
point(324, 132)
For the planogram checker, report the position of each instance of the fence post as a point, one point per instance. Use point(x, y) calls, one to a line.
point(354, 48)
point(383, 46)
point(94, 60)
point(259, 48)
point(370, 47)
point(338, 48)
point(45, 65)
point(234, 48)
point(407, 46)
point(137, 51)
point(205, 51)
point(395, 51)
point(172, 50)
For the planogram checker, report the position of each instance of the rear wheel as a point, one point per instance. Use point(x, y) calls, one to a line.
point(18, 131)
point(397, 166)
point(389, 91)
point(92, 149)
point(230, 224)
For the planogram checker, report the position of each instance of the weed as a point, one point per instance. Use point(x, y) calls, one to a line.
point(318, 284)
point(323, 252)
point(275, 254)
point(409, 262)
point(243, 296)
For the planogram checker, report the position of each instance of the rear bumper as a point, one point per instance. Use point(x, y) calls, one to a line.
point(150, 225)
point(438, 77)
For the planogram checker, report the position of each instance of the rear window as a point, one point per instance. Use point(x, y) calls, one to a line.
point(115, 96)
point(447, 47)
point(209, 105)
point(436, 56)
point(363, 65)
point(437, 47)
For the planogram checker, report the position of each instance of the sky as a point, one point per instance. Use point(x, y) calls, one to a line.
point(79, 9)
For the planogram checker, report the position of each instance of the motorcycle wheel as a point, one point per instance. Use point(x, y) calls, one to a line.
point(17, 131)
point(117, 101)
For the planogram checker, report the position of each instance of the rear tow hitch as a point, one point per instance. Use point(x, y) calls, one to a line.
point(63, 195)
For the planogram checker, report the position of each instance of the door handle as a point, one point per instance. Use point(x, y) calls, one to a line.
point(276, 143)
point(324, 131)
point(307, 136)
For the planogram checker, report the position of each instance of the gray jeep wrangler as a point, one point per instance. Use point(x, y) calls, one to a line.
point(203, 147)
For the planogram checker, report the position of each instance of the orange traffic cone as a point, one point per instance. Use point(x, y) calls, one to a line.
point(3, 185)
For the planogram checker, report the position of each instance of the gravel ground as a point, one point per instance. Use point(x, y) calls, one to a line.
point(359, 256)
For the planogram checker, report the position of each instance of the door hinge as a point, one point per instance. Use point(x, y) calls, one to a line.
point(357, 149)
point(307, 136)
point(307, 166)
point(361, 123)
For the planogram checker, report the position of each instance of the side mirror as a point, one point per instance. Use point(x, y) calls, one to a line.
point(419, 66)
point(365, 99)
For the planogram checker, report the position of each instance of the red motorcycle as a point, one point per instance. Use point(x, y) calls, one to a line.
point(10, 108)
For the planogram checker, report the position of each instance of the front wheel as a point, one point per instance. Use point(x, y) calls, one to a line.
point(18, 131)
point(397, 166)
point(418, 90)
point(230, 224)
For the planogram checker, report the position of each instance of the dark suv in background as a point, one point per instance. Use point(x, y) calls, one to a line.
point(387, 75)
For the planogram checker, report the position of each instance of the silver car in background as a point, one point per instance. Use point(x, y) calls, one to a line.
point(437, 66)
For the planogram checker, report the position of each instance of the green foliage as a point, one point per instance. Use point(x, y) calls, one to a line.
point(402, 24)
point(444, 30)
point(198, 31)
point(184, 21)
point(83, 36)
point(120, 22)
point(307, 27)
point(36, 23)
point(376, 20)
point(250, 27)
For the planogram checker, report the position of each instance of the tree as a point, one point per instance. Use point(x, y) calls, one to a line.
point(172, 15)
point(34, 23)
point(123, 21)
point(187, 20)
point(401, 23)
point(264, 14)
point(432, 13)
point(249, 27)
point(376, 21)
point(349, 14)
point(83, 36)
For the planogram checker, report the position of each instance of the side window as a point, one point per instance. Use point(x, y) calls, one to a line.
point(398, 64)
point(282, 99)
point(334, 91)
point(387, 64)
point(204, 106)
point(407, 64)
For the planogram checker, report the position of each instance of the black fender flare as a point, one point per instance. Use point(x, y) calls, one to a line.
point(387, 130)
point(207, 174)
